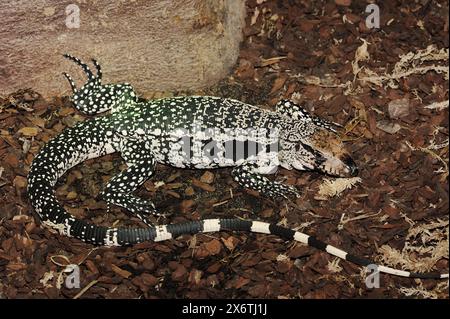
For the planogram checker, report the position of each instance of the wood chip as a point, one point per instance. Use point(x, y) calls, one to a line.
point(345, 3)
point(189, 191)
point(388, 127)
point(20, 182)
point(398, 108)
point(29, 131)
point(12, 159)
point(203, 186)
point(230, 242)
point(213, 247)
point(207, 177)
point(278, 84)
point(241, 282)
point(121, 272)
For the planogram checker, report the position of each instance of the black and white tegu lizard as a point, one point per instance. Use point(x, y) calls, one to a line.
point(186, 132)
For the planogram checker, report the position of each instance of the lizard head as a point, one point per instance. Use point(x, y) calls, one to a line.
point(315, 144)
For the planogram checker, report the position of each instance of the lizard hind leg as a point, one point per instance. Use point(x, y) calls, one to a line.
point(93, 97)
point(120, 188)
point(98, 68)
point(84, 66)
point(71, 82)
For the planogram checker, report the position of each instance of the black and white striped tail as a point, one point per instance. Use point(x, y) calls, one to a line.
point(128, 236)
point(214, 225)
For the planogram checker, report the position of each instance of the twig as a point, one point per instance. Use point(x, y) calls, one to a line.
point(344, 220)
point(78, 295)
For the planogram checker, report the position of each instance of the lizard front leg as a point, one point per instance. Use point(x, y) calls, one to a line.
point(247, 176)
point(93, 97)
point(119, 190)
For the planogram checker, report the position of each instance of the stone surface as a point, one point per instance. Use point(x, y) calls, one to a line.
point(155, 45)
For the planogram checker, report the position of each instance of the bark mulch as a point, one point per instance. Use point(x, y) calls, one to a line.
point(309, 51)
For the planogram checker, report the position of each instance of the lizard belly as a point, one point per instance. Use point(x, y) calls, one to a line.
point(205, 153)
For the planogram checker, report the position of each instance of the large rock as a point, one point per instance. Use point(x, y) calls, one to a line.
point(152, 44)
